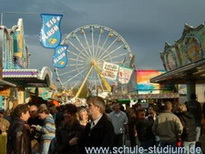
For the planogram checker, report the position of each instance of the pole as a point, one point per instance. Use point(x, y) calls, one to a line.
point(2, 15)
point(84, 81)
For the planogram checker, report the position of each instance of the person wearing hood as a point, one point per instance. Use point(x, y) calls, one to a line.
point(189, 132)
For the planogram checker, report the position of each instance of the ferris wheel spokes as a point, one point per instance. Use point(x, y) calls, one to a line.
point(93, 42)
point(104, 43)
point(98, 42)
point(74, 76)
point(123, 54)
point(72, 65)
point(77, 49)
point(86, 41)
point(111, 52)
point(71, 71)
point(83, 46)
point(107, 48)
point(74, 54)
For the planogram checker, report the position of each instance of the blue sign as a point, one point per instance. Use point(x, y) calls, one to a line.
point(50, 35)
point(60, 56)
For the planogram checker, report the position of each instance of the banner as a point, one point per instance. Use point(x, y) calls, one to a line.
point(144, 85)
point(50, 35)
point(110, 70)
point(124, 75)
point(60, 56)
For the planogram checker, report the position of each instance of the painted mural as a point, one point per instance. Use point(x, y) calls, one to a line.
point(143, 81)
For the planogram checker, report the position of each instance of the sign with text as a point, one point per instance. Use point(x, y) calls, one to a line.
point(60, 56)
point(124, 75)
point(50, 35)
point(110, 70)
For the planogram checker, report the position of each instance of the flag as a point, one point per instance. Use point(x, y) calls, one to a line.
point(124, 75)
point(50, 35)
point(60, 56)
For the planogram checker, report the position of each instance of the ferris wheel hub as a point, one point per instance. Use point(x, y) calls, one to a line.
point(94, 63)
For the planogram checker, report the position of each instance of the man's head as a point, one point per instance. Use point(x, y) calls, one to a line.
point(33, 111)
point(96, 106)
point(116, 107)
point(21, 111)
point(141, 114)
point(168, 105)
point(70, 112)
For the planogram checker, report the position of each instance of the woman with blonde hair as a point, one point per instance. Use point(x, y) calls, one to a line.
point(83, 116)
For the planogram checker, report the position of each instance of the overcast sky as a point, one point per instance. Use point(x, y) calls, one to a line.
point(144, 24)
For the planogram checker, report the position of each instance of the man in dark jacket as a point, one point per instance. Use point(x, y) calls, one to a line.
point(194, 107)
point(100, 132)
point(18, 134)
point(189, 131)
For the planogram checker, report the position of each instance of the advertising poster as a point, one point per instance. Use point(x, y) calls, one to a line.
point(124, 75)
point(110, 70)
point(143, 81)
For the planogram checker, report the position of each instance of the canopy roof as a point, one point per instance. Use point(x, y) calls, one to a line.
point(28, 77)
point(193, 72)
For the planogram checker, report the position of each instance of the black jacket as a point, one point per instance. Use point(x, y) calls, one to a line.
point(189, 131)
point(101, 135)
point(18, 141)
point(64, 135)
point(144, 129)
point(194, 107)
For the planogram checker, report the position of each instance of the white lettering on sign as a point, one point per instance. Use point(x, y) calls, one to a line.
point(50, 32)
point(52, 21)
point(57, 59)
point(59, 51)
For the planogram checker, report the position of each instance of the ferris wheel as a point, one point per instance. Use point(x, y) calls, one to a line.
point(89, 47)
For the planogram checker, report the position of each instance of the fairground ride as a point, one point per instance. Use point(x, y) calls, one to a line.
point(89, 47)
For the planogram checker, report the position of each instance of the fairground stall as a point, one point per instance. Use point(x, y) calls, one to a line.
point(184, 61)
point(141, 90)
point(15, 63)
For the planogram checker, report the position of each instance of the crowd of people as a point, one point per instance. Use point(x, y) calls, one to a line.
point(67, 129)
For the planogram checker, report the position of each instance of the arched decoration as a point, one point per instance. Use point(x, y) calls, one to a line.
point(170, 57)
point(46, 75)
point(189, 48)
point(193, 49)
point(163, 61)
